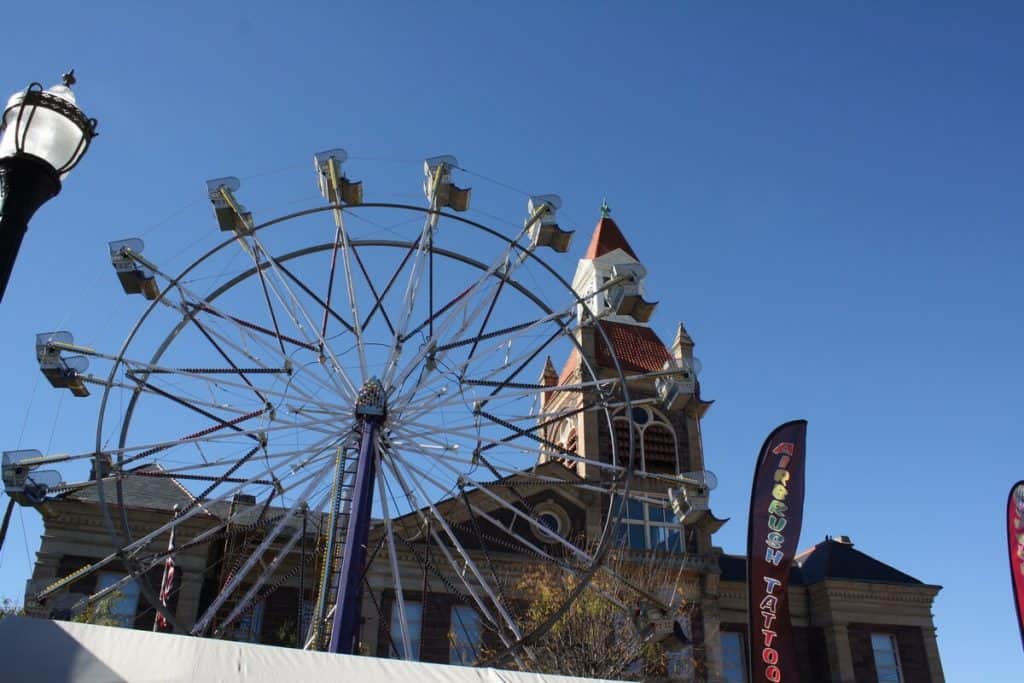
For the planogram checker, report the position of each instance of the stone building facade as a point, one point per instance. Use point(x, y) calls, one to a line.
point(857, 619)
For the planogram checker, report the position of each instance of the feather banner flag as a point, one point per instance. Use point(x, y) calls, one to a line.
point(773, 531)
point(1015, 539)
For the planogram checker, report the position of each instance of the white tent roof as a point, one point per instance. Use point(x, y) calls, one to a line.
point(38, 650)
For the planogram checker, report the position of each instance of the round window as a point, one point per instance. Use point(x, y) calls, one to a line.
point(641, 416)
point(549, 521)
point(550, 525)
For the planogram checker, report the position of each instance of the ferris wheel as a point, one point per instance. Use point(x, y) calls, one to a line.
point(349, 412)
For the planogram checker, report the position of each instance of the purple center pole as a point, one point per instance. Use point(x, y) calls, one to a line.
point(345, 630)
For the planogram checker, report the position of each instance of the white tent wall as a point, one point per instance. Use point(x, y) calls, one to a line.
point(41, 650)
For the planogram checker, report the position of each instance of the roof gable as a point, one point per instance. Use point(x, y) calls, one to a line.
point(607, 238)
point(638, 349)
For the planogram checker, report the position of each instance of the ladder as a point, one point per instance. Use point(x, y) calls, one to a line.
point(331, 550)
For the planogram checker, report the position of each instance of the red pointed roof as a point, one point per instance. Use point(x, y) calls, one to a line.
point(607, 237)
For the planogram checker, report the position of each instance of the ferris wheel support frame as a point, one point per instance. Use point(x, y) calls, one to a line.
point(343, 580)
point(347, 609)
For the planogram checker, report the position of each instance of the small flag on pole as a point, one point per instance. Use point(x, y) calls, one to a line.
point(167, 581)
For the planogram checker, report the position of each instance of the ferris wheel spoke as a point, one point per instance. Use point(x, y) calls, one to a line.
point(192, 471)
point(245, 377)
point(127, 551)
point(430, 404)
point(203, 436)
point(520, 327)
point(502, 471)
point(350, 289)
point(137, 372)
point(135, 388)
point(186, 404)
point(423, 245)
point(484, 489)
point(193, 303)
point(559, 562)
point(224, 478)
point(299, 371)
point(426, 443)
point(487, 317)
point(540, 426)
point(458, 568)
point(453, 310)
point(246, 329)
point(378, 298)
point(329, 312)
point(467, 561)
point(330, 286)
point(379, 303)
point(254, 327)
point(346, 387)
point(525, 542)
point(521, 361)
point(203, 622)
point(492, 608)
point(354, 328)
point(257, 261)
point(190, 299)
point(430, 433)
point(501, 269)
point(508, 334)
point(201, 375)
point(434, 315)
point(521, 432)
point(201, 501)
point(396, 575)
point(257, 586)
point(601, 385)
point(427, 354)
point(525, 362)
point(132, 553)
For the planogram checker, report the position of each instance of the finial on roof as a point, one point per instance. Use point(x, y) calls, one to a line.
point(69, 79)
point(606, 211)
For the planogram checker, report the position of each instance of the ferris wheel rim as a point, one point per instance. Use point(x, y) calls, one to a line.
point(610, 520)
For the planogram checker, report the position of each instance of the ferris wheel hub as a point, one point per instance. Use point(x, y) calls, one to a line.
point(371, 400)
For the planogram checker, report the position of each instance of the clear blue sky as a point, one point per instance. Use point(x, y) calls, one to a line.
point(830, 198)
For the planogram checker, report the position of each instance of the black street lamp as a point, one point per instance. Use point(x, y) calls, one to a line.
point(43, 136)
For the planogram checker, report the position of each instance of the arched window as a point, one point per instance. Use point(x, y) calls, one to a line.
point(659, 446)
point(655, 442)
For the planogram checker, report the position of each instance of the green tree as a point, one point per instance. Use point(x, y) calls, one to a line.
point(619, 627)
point(102, 612)
point(8, 608)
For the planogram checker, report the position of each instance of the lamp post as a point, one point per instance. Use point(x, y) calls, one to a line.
point(43, 136)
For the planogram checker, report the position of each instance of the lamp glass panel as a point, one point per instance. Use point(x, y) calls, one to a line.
point(48, 135)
